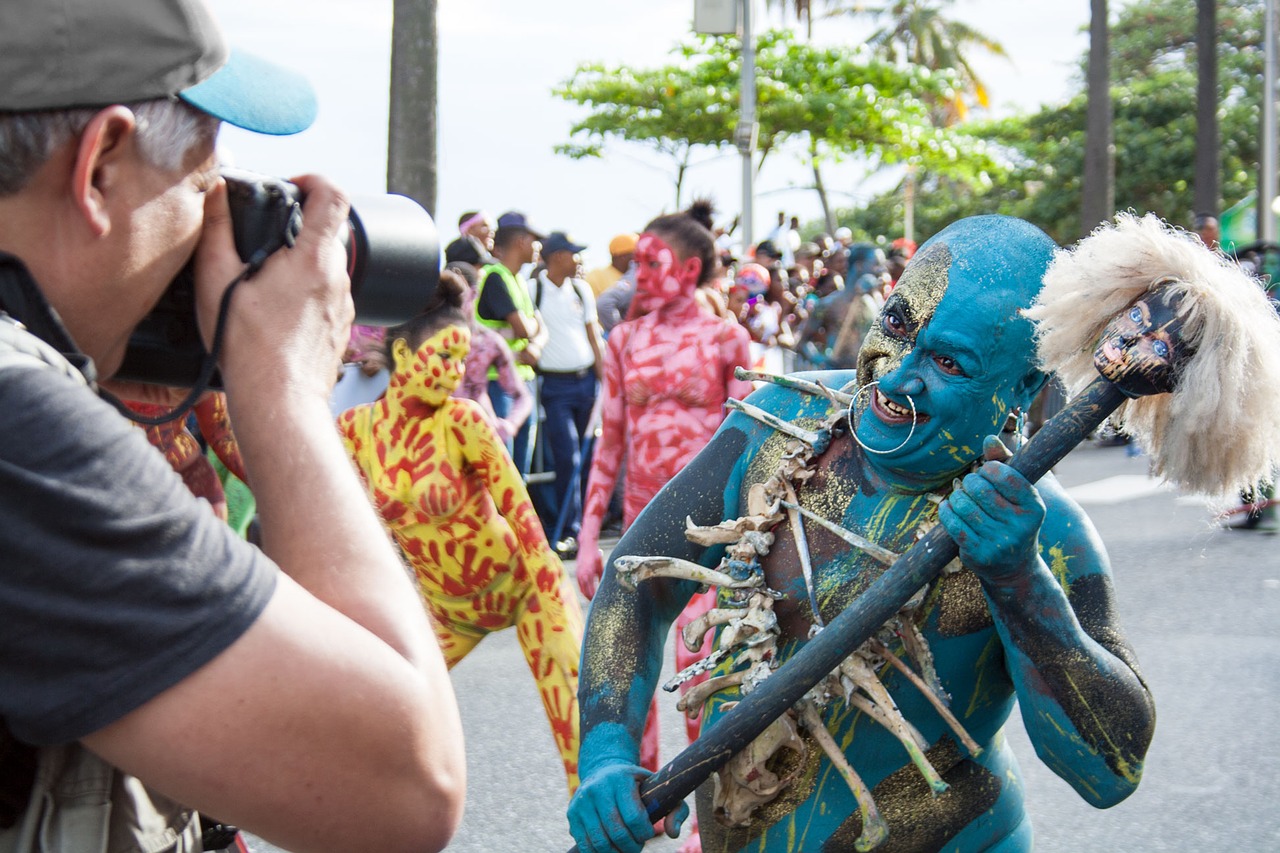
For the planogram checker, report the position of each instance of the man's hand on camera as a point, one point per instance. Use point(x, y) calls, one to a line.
point(288, 324)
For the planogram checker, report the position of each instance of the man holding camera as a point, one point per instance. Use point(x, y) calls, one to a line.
point(296, 691)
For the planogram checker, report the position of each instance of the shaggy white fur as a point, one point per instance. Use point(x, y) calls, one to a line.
point(1219, 431)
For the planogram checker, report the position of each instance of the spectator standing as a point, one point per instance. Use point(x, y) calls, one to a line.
point(622, 251)
point(833, 334)
point(615, 303)
point(1207, 229)
point(505, 305)
point(571, 367)
point(489, 351)
point(475, 240)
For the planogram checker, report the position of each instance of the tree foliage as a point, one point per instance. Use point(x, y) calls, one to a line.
point(1154, 98)
point(827, 102)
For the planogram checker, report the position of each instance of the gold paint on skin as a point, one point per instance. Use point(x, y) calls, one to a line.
point(963, 607)
point(918, 820)
point(1122, 765)
point(1058, 560)
point(983, 688)
point(922, 287)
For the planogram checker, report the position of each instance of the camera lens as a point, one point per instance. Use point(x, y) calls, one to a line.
point(393, 258)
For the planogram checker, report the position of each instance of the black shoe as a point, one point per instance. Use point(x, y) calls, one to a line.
point(567, 548)
point(1254, 521)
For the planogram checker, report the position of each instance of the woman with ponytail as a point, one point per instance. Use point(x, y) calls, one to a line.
point(447, 489)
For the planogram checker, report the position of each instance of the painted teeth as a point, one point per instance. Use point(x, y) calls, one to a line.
point(894, 408)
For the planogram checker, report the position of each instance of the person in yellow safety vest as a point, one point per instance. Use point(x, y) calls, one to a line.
point(503, 303)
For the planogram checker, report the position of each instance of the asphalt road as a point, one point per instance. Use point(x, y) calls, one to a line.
point(1201, 606)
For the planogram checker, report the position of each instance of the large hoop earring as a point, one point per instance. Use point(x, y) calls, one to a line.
point(854, 432)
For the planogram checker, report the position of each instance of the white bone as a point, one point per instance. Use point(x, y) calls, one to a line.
point(691, 703)
point(934, 699)
point(882, 555)
point(874, 828)
point(632, 569)
point(808, 436)
point(746, 782)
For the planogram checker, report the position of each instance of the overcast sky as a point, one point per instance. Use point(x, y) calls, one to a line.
point(498, 123)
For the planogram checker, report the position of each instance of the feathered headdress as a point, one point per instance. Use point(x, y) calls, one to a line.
point(1219, 431)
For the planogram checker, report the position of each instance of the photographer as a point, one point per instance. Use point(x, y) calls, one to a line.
point(297, 692)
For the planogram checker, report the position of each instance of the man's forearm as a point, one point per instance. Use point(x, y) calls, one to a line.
point(1073, 690)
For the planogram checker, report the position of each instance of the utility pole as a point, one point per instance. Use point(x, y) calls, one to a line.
point(733, 17)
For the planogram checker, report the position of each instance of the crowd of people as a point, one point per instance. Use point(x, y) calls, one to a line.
point(803, 304)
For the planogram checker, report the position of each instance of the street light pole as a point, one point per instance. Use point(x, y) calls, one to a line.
point(747, 127)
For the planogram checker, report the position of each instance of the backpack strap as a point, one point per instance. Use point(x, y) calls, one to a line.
point(65, 798)
point(20, 348)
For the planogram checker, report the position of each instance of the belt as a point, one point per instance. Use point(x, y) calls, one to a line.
point(569, 374)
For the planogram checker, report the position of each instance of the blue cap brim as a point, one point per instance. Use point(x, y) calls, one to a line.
point(256, 95)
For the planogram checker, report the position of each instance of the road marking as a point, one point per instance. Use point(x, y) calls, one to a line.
point(1118, 489)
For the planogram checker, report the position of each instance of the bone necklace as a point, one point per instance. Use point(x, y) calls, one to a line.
point(749, 632)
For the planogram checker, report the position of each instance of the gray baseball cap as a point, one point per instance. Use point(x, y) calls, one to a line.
point(57, 54)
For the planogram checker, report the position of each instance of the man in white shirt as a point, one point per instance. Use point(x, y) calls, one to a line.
point(571, 366)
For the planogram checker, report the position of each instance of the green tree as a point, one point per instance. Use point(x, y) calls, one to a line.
point(1153, 56)
point(822, 102)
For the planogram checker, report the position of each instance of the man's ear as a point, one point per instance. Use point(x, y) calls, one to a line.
point(1029, 386)
point(98, 165)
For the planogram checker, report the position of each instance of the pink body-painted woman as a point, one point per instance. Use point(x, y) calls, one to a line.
point(668, 374)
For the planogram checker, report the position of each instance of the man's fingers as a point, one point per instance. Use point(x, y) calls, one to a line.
point(993, 450)
point(325, 209)
point(1009, 484)
point(673, 822)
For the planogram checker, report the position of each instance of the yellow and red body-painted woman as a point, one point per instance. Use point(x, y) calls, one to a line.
point(454, 500)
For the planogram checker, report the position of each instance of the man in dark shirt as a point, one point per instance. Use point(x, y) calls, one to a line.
point(136, 631)
point(505, 305)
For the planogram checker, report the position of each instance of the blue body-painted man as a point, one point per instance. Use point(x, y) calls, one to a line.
point(1029, 617)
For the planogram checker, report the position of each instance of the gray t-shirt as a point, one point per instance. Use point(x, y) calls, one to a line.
point(115, 582)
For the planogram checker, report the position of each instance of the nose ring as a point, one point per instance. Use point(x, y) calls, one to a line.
point(854, 432)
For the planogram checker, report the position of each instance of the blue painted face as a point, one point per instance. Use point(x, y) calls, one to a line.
point(950, 352)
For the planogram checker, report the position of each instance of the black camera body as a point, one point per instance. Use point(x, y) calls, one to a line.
point(393, 260)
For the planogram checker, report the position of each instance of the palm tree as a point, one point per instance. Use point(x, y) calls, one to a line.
point(803, 11)
point(920, 32)
point(1207, 178)
point(1098, 181)
point(411, 132)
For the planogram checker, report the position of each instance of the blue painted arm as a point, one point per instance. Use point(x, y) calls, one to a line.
point(622, 652)
point(1047, 580)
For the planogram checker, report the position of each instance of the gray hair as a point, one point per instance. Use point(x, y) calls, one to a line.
point(167, 130)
